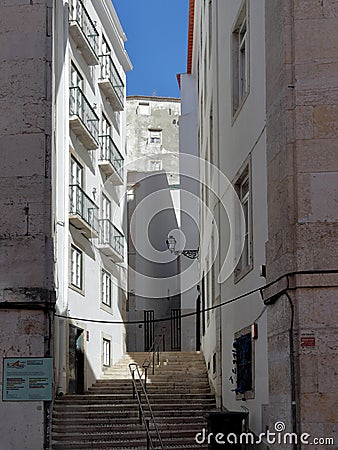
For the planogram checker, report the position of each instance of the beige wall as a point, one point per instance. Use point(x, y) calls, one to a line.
point(26, 254)
point(302, 142)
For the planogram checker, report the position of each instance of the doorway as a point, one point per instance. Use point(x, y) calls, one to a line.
point(148, 329)
point(76, 360)
point(176, 329)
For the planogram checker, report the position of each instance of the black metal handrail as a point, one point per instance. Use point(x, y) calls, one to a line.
point(110, 152)
point(111, 236)
point(82, 205)
point(109, 72)
point(133, 367)
point(154, 351)
point(79, 106)
point(79, 14)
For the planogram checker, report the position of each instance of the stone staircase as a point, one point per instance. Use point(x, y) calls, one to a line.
point(106, 416)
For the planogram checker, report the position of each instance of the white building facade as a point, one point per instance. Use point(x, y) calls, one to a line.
point(63, 250)
point(226, 60)
point(153, 212)
point(89, 66)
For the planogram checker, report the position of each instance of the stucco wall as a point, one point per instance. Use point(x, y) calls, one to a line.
point(26, 256)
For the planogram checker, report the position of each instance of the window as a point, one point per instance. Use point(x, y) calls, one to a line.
point(106, 126)
point(155, 136)
point(106, 288)
point(210, 29)
point(76, 181)
point(76, 172)
point(105, 49)
point(243, 357)
point(240, 59)
point(76, 267)
point(106, 352)
point(155, 165)
point(76, 79)
point(143, 108)
point(243, 189)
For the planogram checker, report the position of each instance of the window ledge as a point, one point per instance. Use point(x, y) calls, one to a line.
point(235, 113)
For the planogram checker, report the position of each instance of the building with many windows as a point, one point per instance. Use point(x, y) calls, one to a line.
point(153, 212)
point(89, 213)
point(266, 105)
point(230, 137)
point(63, 184)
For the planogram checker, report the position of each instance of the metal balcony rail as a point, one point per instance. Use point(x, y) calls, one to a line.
point(154, 353)
point(109, 72)
point(109, 152)
point(146, 414)
point(79, 14)
point(79, 106)
point(110, 235)
point(83, 206)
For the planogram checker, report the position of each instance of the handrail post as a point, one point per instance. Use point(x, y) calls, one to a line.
point(148, 432)
point(163, 342)
point(145, 377)
point(153, 363)
point(133, 377)
point(133, 367)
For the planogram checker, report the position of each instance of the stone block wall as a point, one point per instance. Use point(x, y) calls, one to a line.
point(26, 247)
point(302, 149)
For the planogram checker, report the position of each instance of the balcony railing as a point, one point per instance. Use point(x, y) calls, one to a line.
point(110, 154)
point(80, 107)
point(83, 210)
point(111, 82)
point(84, 32)
point(111, 237)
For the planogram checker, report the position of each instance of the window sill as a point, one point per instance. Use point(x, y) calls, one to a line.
point(106, 308)
point(238, 276)
point(235, 113)
point(77, 289)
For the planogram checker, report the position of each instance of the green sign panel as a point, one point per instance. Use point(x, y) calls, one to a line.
point(27, 379)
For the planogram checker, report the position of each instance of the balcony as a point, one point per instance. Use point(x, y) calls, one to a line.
point(111, 242)
point(83, 32)
point(111, 161)
point(83, 213)
point(83, 120)
point(111, 83)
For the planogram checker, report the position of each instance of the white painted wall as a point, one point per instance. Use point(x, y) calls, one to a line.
point(232, 142)
point(86, 305)
point(190, 207)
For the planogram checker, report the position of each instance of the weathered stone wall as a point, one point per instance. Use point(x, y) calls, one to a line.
point(26, 254)
point(302, 143)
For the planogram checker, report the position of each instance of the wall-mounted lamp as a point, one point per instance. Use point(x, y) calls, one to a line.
point(171, 244)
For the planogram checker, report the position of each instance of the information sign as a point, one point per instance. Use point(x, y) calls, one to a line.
point(27, 379)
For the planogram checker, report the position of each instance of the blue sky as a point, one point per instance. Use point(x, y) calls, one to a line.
point(157, 32)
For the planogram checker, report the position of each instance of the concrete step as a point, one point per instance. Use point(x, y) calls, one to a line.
point(106, 416)
point(155, 396)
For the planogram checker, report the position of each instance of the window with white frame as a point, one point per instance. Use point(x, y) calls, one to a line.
point(106, 288)
point(106, 348)
point(240, 59)
point(243, 189)
point(76, 79)
point(76, 267)
point(143, 108)
point(155, 136)
point(155, 165)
